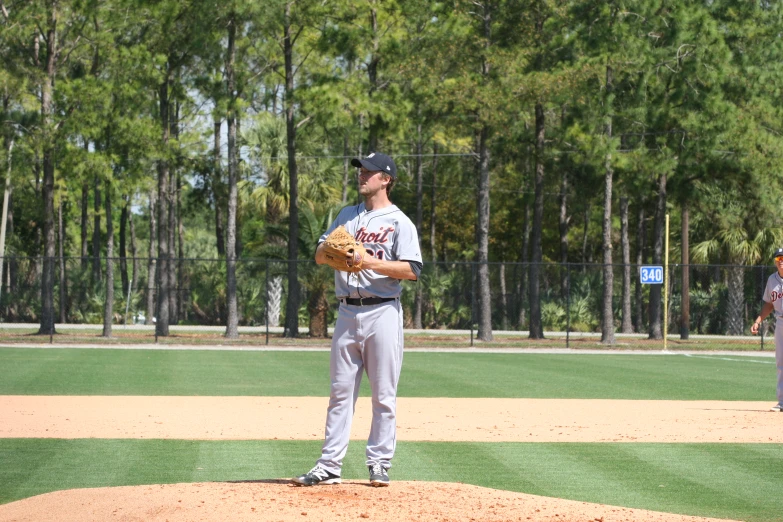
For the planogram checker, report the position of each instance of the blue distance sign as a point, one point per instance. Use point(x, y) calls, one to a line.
point(651, 275)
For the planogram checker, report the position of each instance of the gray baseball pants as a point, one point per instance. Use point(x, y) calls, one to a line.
point(779, 357)
point(369, 339)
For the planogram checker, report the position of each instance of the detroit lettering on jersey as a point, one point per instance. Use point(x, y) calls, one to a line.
point(387, 234)
point(773, 293)
point(382, 236)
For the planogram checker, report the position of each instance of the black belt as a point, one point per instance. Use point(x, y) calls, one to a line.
point(366, 301)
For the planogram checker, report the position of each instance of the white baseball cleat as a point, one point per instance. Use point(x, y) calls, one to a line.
point(777, 407)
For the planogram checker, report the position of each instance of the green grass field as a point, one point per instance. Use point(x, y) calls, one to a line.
point(90, 371)
point(735, 481)
point(91, 335)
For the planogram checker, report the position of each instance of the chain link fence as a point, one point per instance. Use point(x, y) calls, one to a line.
point(723, 299)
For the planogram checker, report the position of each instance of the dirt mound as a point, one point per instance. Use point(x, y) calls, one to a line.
point(277, 500)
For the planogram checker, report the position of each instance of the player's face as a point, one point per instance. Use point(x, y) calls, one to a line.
point(370, 182)
point(779, 264)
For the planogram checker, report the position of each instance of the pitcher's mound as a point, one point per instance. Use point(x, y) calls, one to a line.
point(278, 500)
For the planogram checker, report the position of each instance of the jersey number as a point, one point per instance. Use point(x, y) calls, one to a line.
point(378, 254)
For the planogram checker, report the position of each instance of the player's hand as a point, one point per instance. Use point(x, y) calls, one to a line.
point(755, 328)
point(369, 261)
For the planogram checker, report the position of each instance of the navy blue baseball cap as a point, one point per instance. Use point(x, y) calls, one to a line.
point(778, 253)
point(377, 161)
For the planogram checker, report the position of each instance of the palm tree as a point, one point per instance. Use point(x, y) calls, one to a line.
point(317, 280)
point(319, 198)
point(735, 245)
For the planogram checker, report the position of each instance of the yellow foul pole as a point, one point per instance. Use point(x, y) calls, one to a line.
point(666, 284)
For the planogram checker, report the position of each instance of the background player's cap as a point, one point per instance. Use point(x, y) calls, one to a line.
point(778, 253)
point(377, 161)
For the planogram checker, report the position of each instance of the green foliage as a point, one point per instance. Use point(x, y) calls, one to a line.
point(694, 95)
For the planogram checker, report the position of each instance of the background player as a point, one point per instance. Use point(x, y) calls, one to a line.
point(368, 335)
point(773, 300)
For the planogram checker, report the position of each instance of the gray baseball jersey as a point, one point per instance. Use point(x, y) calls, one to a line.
point(773, 293)
point(386, 233)
point(368, 338)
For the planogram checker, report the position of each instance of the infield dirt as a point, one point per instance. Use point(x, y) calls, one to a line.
point(418, 419)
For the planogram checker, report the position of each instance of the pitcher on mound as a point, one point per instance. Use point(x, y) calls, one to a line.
point(368, 336)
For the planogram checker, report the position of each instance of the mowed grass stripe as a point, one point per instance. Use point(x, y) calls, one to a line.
point(235, 373)
point(737, 481)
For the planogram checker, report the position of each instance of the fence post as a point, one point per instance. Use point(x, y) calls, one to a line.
point(762, 327)
point(127, 302)
point(472, 299)
point(157, 293)
point(568, 305)
point(266, 302)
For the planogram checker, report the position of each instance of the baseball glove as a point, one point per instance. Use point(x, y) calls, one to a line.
point(342, 251)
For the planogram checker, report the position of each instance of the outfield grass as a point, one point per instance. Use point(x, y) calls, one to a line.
point(91, 335)
point(236, 373)
point(737, 481)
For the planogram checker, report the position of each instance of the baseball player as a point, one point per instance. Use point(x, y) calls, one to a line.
point(773, 300)
point(368, 335)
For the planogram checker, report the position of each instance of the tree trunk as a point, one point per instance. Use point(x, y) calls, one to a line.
point(685, 308)
point(162, 317)
point(317, 309)
point(61, 255)
point(47, 112)
point(433, 202)
point(240, 171)
point(525, 259)
point(13, 265)
point(232, 322)
point(503, 295)
point(123, 238)
point(181, 283)
point(536, 327)
point(627, 325)
point(83, 225)
point(8, 142)
point(418, 298)
point(372, 74)
point(563, 226)
point(275, 299)
point(482, 238)
point(217, 191)
point(108, 305)
point(656, 290)
point(39, 242)
point(607, 326)
point(641, 245)
point(134, 253)
point(172, 227)
point(585, 228)
point(483, 203)
point(152, 276)
point(96, 232)
point(346, 168)
point(735, 312)
point(292, 306)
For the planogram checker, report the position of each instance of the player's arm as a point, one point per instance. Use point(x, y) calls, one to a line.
point(394, 269)
point(320, 258)
point(766, 309)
